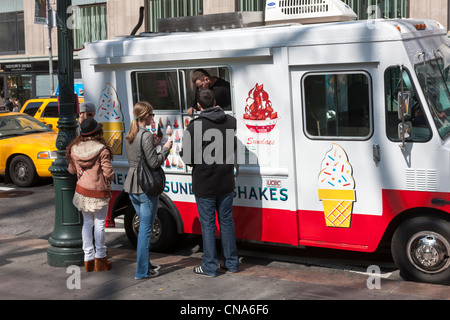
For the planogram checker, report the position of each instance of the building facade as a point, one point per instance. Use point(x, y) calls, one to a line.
point(25, 39)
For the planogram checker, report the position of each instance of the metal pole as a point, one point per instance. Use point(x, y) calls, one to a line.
point(66, 241)
point(50, 50)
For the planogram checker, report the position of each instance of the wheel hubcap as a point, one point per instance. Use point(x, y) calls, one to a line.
point(429, 252)
point(21, 171)
point(156, 230)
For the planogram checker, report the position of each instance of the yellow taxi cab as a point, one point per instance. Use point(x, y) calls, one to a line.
point(28, 148)
point(45, 110)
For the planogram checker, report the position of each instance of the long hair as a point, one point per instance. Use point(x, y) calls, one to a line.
point(140, 110)
point(98, 136)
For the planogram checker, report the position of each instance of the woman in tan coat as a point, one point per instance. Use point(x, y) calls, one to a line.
point(89, 157)
point(145, 206)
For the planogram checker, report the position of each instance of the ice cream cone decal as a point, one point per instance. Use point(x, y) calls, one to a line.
point(336, 188)
point(110, 115)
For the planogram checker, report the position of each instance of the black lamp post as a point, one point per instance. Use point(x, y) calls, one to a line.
point(66, 241)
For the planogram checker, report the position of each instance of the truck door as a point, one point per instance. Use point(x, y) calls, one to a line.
point(336, 150)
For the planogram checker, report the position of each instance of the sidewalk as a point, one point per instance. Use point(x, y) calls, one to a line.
point(25, 274)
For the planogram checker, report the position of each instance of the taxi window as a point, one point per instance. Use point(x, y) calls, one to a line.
point(337, 105)
point(51, 110)
point(19, 125)
point(32, 108)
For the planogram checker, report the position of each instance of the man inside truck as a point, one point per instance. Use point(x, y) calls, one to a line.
point(221, 89)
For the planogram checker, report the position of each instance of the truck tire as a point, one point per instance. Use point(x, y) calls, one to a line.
point(164, 232)
point(421, 250)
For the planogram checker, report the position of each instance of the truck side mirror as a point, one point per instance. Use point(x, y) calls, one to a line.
point(404, 130)
point(404, 127)
point(403, 104)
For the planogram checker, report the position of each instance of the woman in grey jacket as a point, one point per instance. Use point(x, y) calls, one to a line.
point(145, 206)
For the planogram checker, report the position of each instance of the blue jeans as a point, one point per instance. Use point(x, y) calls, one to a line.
point(207, 208)
point(146, 208)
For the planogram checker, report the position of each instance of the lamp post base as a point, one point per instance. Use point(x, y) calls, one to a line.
point(66, 242)
point(64, 257)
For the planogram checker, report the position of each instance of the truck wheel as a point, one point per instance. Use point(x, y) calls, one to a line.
point(421, 250)
point(22, 171)
point(164, 232)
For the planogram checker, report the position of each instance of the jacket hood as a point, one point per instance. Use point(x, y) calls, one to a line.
point(86, 152)
point(215, 114)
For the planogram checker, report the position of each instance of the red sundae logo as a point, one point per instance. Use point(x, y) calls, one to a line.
point(259, 116)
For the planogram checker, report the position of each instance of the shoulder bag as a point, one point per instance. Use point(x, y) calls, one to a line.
point(151, 181)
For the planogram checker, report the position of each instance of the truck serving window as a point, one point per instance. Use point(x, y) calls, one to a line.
point(173, 90)
point(419, 129)
point(337, 105)
point(160, 88)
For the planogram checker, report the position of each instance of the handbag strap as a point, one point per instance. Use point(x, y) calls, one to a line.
point(142, 150)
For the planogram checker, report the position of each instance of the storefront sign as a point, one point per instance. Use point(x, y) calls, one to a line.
point(9, 67)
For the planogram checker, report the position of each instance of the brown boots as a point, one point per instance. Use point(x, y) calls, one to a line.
point(99, 264)
point(102, 264)
point(89, 265)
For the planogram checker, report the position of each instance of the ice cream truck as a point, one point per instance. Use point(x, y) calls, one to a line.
point(343, 126)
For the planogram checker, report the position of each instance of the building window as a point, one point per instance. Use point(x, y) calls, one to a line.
point(90, 24)
point(159, 9)
point(12, 34)
point(250, 5)
point(378, 9)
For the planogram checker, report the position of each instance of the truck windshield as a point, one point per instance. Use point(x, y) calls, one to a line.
point(434, 80)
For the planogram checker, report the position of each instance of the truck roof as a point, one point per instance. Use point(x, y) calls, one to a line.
point(255, 40)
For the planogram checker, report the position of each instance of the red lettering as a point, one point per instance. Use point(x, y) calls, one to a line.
point(264, 141)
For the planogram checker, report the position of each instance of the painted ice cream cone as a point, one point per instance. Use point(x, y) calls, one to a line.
point(336, 188)
point(337, 206)
point(113, 133)
point(110, 115)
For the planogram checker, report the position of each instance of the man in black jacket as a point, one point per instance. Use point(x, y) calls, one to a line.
point(209, 147)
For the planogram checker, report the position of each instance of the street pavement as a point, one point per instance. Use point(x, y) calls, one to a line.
point(25, 275)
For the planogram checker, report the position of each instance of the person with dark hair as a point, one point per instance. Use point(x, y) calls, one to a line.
point(89, 157)
point(213, 180)
point(221, 89)
point(8, 104)
point(2, 100)
point(87, 110)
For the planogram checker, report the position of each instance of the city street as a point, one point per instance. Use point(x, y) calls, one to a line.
point(266, 273)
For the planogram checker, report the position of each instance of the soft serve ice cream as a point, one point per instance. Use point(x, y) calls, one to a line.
point(110, 115)
point(336, 188)
point(336, 171)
